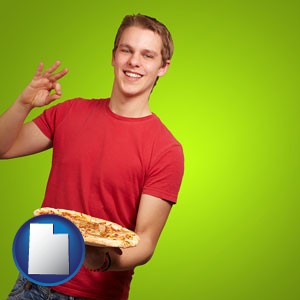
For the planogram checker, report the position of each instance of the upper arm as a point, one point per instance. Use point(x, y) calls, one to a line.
point(29, 141)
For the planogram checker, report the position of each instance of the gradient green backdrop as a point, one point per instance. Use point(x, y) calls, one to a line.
point(231, 97)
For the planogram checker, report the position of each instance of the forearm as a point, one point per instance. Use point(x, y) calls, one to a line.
point(152, 216)
point(132, 257)
point(11, 123)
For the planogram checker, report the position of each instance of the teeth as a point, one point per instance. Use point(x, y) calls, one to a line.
point(133, 75)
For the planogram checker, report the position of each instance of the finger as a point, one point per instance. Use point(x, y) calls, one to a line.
point(59, 75)
point(52, 68)
point(39, 70)
point(51, 98)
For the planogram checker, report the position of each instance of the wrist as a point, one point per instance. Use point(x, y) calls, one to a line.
point(105, 266)
point(23, 106)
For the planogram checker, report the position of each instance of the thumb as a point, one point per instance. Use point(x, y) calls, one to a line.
point(117, 250)
point(57, 88)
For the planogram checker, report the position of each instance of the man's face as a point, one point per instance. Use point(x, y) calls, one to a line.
point(137, 62)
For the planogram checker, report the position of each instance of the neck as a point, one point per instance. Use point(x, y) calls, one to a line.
point(128, 106)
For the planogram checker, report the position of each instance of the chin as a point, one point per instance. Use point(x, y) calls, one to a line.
point(132, 92)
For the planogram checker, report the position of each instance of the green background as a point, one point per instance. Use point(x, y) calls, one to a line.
point(231, 97)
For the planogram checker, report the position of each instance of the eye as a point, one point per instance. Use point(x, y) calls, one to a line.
point(148, 55)
point(125, 50)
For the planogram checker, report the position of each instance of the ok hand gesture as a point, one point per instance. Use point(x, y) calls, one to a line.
point(38, 92)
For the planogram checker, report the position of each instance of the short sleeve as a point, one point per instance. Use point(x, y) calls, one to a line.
point(52, 117)
point(165, 175)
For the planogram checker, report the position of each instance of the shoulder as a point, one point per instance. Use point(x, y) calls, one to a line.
point(81, 103)
point(76, 106)
point(67, 111)
point(164, 134)
point(166, 146)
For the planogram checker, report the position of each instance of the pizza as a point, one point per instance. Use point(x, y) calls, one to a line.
point(95, 231)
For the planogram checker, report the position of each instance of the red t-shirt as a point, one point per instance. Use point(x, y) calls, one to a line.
point(102, 164)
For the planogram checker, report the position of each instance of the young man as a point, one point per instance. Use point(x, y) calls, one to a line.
point(112, 158)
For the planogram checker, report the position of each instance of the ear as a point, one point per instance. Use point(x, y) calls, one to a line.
point(163, 69)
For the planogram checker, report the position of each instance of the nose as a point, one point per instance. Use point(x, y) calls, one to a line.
point(134, 60)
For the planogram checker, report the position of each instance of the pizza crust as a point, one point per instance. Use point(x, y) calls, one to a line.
point(95, 231)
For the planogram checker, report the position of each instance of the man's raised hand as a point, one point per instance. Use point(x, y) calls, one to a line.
point(44, 87)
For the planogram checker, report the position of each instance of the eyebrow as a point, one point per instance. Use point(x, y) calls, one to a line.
point(143, 50)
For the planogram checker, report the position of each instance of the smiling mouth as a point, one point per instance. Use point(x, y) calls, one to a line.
point(132, 74)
